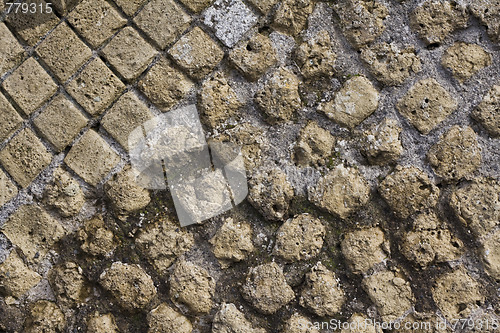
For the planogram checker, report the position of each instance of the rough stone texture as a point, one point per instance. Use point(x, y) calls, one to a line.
point(8, 190)
point(340, 192)
point(391, 294)
point(230, 19)
point(130, 7)
point(11, 120)
point(15, 277)
point(254, 57)
point(464, 60)
point(430, 242)
point(477, 205)
point(163, 21)
point(128, 53)
point(408, 190)
point(361, 21)
point(97, 240)
point(435, 20)
point(68, 284)
point(364, 248)
point(491, 255)
point(316, 57)
point(163, 242)
point(264, 6)
point(64, 6)
point(322, 293)
point(270, 193)
point(196, 53)
point(64, 194)
point(164, 319)
point(314, 145)
point(487, 113)
point(95, 88)
point(382, 143)
point(487, 12)
point(125, 194)
point(196, 5)
point(60, 122)
point(45, 316)
point(91, 158)
point(299, 324)
point(24, 157)
point(63, 52)
point(164, 85)
point(33, 231)
point(457, 154)
point(232, 242)
point(457, 294)
point(266, 288)
point(193, 286)
point(358, 324)
point(29, 86)
point(426, 105)
point(279, 97)
point(218, 101)
point(96, 21)
point(390, 64)
point(353, 103)
point(105, 323)
point(229, 320)
point(291, 15)
point(12, 52)
point(129, 284)
point(300, 238)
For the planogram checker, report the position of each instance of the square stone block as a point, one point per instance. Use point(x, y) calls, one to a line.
point(164, 85)
point(33, 231)
point(15, 277)
point(64, 6)
point(11, 120)
point(32, 27)
point(163, 21)
point(196, 5)
point(11, 52)
point(196, 53)
point(96, 87)
point(30, 86)
point(63, 52)
point(60, 122)
point(129, 53)
point(130, 7)
point(96, 21)
point(125, 115)
point(92, 158)
point(8, 190)
point(25, 157)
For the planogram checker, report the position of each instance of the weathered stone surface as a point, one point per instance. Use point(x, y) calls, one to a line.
point(130, 7)
point(491, 255)
point(353, 103)
point(229, 320)
point(92, 158)
point(434, 20)
point(263, 5)
point(382, 143)
point(24, 157)
point(254, 57)
point(270, 193)
point(314, 145)
point(232, 242)
point(12, 52)
point(464, 60)
point(279, 98)
point(97, 240)
point(8, 190)
point(457, 294)
point(487, 111)
point(291, 15)
point(196, 5)
point(391, 294)
point(45, 316)
point(359, 323)
point(96, 87)
point(426, 105)
point(164, 319)
point(322, 293)
point(477, 205)
point(299, 324)
point(361, 21)
point(96, 21)
point(409, 190)
point(129, 53)
point(163, 242)
point(487, 12)
point(15, 277)
point(340, 192)
point(457, 154)
point(68, 284)
point(266, 288)
point(64, 6)
point(364, 248)
point(105, 323)
point(11, 120)
point(60, 122)
point(193, 286)
point(164, 85)
point(63, 52)
point(390, 64)
point(316, 57)
point(64, 194)
point(29, 86)
point(130, 285)
point(300, 238)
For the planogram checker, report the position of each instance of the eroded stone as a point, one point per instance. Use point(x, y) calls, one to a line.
point(105, 323)
point(68, 284)
point(15, 277)
point(164, 319)
point(364, 248)
point(129, 7)
point(11, 120)
point(64, 193)
point(196, 5)
point(487, 12)
point(464, 60)
point(96, 238)
point(487, 112)
point(8, 190)
point(229, 320)
point(314, 145)
point(291, 15)
point(382, 143)
point(491, 255)
point(232, 242)
point(316, 57)
point(12, 52)
point(45, 316)
point(299, 324)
